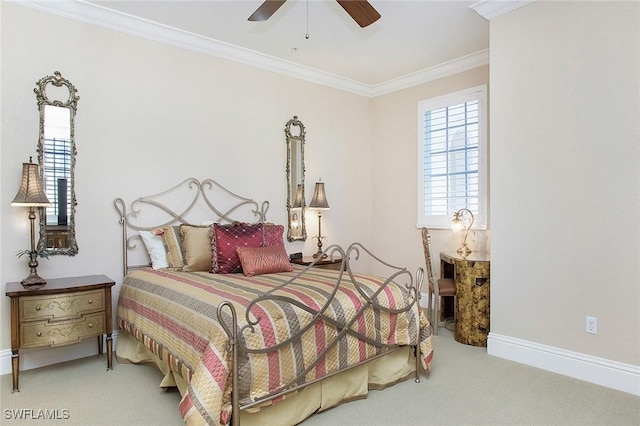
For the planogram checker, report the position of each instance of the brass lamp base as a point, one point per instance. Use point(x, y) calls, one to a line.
point(464, 250)
point(33, 280)
point(319, 254)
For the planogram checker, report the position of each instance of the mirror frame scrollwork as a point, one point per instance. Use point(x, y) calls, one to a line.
point(296, 227)
point(71, 246)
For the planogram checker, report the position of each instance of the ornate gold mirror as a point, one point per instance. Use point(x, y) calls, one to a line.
point(57, 102)
point(296, 204)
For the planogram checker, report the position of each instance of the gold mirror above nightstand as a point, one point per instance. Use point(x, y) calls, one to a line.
point(295, 136)
point(58, 102)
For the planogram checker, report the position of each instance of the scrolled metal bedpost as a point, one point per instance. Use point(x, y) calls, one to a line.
point(264, 210)
point(232, 347)
point(121, 208)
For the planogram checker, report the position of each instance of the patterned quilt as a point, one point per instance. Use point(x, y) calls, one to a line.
point(174, 315)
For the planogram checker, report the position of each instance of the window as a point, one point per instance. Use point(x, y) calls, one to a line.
point(452, 164)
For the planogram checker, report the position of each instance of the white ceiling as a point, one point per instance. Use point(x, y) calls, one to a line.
point(412, 41)
point(410, 36)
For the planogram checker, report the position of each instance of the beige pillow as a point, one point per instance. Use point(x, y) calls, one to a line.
point(196, 246)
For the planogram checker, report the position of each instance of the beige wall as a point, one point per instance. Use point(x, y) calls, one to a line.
point(565, 176)
point(150, 115)
point(395, 177)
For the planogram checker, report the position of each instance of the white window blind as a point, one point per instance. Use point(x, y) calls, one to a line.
point(452, 158)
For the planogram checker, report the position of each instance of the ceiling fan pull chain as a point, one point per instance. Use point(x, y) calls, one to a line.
point(307, 34)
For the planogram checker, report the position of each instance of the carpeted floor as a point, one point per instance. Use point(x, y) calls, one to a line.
point(466, 387)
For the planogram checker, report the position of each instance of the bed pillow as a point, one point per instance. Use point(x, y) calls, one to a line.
point(155, 247)
point(173, 247)
point(214, 249)
point(228, 238)
point(196, 247)
point(273, 235)
point(263, 260)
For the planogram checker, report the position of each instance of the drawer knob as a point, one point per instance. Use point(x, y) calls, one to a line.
point(90, 301)
point(39, 334)
point(90, 325)
point(38, 307)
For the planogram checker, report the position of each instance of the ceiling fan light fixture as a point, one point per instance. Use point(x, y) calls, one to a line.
point(360, 11)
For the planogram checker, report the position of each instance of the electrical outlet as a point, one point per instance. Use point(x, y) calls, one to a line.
point(592, 325)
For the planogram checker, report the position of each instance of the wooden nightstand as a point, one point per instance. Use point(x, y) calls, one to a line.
point(63, 312)
point(325, 263)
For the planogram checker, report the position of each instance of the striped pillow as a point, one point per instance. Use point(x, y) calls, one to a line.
point(263, 260)
point(173, 247)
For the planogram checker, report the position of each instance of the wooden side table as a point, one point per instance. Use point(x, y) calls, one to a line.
point(63, 312)
point(472, 277)
point(325, 263)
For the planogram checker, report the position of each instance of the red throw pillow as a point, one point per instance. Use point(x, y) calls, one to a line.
point(228, 238)
point(273, 235)
point(263, 260)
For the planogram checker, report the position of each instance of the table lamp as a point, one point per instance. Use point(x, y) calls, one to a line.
point(319, 202)
point(462, 221)
point(31, 194)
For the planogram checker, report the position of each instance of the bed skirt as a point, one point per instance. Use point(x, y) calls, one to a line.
point(347, 386)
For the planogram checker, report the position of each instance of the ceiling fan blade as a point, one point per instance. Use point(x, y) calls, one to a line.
point(361, 11)
point(266, 9)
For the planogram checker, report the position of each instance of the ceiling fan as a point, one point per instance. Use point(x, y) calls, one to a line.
point(360, 10)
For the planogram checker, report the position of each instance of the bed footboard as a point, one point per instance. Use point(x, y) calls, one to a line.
point(372, 301)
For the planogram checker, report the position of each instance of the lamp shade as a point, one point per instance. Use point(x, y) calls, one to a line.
point(462, 220)
point(456, 224)
point(297, 203)
point(319, 200)
point(31, 193)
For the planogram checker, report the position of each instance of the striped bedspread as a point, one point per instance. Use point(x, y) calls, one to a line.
point(174, 315)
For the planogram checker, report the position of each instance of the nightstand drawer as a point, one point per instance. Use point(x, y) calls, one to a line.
point(62, 332)
point(61, 306)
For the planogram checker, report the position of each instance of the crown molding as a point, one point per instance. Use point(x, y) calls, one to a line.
point(445, 69)
point(490, 9)
point(94, 14)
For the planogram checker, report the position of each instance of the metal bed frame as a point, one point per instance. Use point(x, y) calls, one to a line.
point(226, 313)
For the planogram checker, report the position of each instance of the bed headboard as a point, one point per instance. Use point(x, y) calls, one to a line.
point(208, 199)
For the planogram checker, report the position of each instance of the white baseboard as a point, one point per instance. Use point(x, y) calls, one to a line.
point(41, 357)
point(604, 372)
